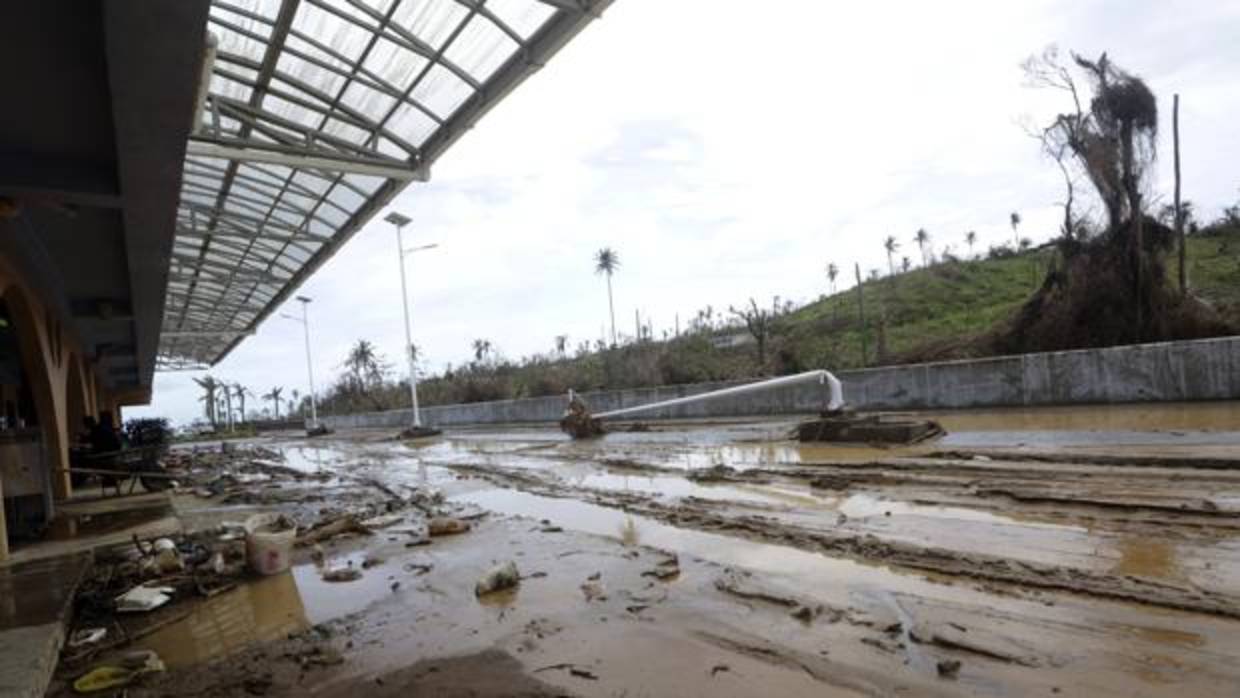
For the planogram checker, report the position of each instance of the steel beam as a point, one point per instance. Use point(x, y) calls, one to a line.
point(321, 160)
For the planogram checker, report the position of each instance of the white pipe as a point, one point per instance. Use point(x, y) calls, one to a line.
point(835, 402)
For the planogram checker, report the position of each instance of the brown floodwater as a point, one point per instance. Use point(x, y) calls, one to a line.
point(264, 610)
point(1151, 417)
point(1094, 644)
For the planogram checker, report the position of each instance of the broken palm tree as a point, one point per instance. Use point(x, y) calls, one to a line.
point(834, 424)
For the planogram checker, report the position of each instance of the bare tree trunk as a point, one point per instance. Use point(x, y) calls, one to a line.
point(861, 312)
point(612, 307)
point(1179, 215)
point(1135, 219)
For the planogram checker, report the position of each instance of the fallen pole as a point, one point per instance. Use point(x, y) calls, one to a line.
point(835, 390)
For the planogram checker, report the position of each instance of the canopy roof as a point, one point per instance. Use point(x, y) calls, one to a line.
point(316, 113)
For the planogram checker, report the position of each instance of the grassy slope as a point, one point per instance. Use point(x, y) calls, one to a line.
point(949, 303)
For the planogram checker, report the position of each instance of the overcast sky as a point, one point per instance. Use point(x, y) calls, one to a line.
point(728, 150)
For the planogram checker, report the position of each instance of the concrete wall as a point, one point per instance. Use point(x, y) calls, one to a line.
point(1206, 369)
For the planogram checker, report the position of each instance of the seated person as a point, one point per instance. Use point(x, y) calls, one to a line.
point(103, 438)
point(81, 440)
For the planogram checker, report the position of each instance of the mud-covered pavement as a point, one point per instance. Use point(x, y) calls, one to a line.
point(1049, 554)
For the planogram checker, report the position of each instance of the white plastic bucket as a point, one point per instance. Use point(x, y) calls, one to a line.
point(268, 543)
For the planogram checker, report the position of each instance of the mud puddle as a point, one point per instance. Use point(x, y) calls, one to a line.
point(799, 566)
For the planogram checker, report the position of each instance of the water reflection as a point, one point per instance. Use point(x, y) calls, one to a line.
point(1148, 557)
point(266, 610)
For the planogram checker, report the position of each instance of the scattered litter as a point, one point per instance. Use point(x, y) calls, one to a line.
point(129, 667)
point(269, 543)
point(446, 526)
point(167, 559)
point(949, 668)
point(804, 614)
point(503, 576)
point(383, 521)
point(87, 636)
point(572, 669)
point(337, 526)
point(593, 591)
point(667, 569)
point(317, 655)
point(979, 641)
point(143, 598)
point(342, 574)
point(215, 564)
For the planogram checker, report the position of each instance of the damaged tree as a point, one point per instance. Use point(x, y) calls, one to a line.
point(1112, 286)
point(758, 322)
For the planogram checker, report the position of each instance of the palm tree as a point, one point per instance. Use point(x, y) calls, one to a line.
point(905, 264)
point(294, 401)
point(561, 343)
point(1014, 219)
point(922, 238)
point(362, 362)
point(832, 272)
point(209, 385)
point(891, 246)
point(970, 238)
point(239, 392)
point(482, 347)
point(274, 397)
point(606, 261)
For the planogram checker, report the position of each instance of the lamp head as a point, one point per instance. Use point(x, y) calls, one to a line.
point(397, 219)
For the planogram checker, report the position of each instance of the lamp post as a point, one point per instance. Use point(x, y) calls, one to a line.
point(305, 323)
point(400, 221)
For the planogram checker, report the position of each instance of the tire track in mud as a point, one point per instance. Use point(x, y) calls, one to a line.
point(716, 517)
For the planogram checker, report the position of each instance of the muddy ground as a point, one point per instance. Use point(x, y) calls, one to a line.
point(1039, 555)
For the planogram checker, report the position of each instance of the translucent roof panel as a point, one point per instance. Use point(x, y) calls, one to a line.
point(314, 115)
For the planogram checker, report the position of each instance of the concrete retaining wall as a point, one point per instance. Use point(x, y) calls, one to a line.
point(1207, 369)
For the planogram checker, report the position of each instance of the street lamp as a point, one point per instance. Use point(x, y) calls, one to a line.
point(400, 221)
point(314, 428)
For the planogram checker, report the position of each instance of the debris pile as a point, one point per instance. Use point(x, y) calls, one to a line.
point(577, 421)
point(845, 427)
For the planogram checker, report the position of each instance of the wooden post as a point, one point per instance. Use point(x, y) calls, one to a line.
point(1179, 215)
point(861, 311)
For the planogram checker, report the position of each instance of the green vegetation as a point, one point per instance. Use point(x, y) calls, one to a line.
point(945, 310)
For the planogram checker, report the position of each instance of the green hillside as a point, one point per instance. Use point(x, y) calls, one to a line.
point(935, 312)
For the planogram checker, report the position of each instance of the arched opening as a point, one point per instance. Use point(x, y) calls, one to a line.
point(77, 397)
point(31, 433)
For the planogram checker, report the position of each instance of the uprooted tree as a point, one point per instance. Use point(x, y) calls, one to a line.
point(1110, 286)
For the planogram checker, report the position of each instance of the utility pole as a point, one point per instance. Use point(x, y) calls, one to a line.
point(861, 311)
point(313, 428)
point(400, 221)
point(1179, 214)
